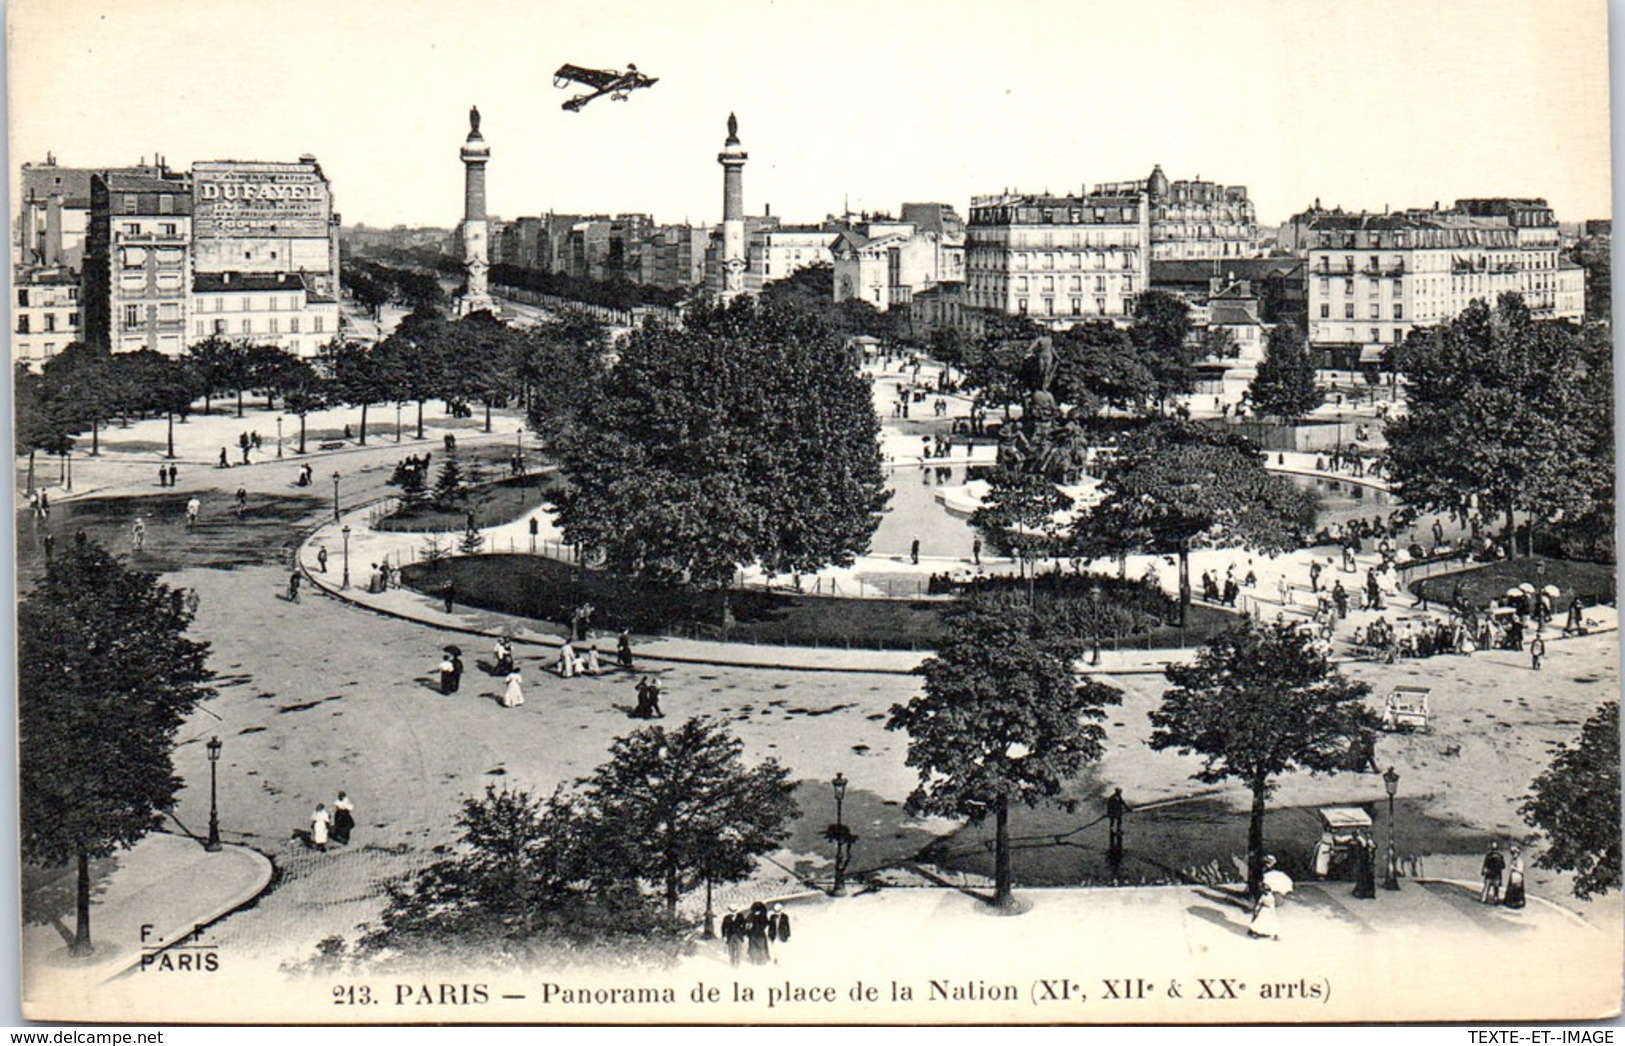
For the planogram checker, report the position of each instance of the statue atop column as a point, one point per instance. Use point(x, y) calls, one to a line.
point(733, 129)
point(473, 121)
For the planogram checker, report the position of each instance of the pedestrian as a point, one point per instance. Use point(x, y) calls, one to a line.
point(1537, 650)
point(456, 670)
point(242, 501)
point(1340, 599)
point(50, 544)
point(653, 693)
point(756, 930)
point(225, 463)
point(1314, 576)
point(1365, 868)
point(1284, 587)
point(504, 655)
point(1116, 807)
point(343, 819)
point(976, 551)
point(914, 552)
point(566, 664)
point(163, 476)
point(733, 934)
point(294, 580)
point(138, 533)
point(1494, 866)
point(321, 558)
point(534, 527)
point(623, 649)
point(1275, 885)
point(319, 821)
point(447, 672)
point(778, 925)
point(593, 666)
point(514, 696)
point(1513, 897)
point(174, 471)
point(642, 709)
point(1230, 591)
point(1575, 624)
point(193, 507)
point(450, 594)
point(254, 437)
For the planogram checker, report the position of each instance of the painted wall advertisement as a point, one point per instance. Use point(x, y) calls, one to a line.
point(261, 199)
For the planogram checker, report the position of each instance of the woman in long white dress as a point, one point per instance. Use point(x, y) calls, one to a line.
point(594, 666)
point(1275, 885)
point(319, 820)
point(567, 661)
point(514, 696)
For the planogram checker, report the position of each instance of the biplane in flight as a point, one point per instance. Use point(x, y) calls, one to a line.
point(612, 82)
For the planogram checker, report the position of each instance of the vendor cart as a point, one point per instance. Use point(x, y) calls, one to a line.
point(1342, 828)
point(1407, 709)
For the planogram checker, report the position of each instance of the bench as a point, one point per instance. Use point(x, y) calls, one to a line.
point(332, 444)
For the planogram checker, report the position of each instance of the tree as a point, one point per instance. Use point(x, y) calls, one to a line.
point(1285, 383)
point(1260, 701)
point(1174, 484)
point(210, 362)
point(479, 361)
point(745, 436)
point(556, 360)
point(525, 875)
point(148, 381)
point(1505, 413)
point(414, 356)
point(679, 808)
point(360, 378)
point(1097, 364)
point(1576, 803)
point(81, 380)
point(106, 678)
point(449, 483)
point(42, 421)
point(472, 540)
point(1004, 718)
point(303, 392)
point(265, 366)
point(1161, 332)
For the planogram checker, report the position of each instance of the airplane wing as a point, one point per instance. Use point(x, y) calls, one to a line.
point(597, 78)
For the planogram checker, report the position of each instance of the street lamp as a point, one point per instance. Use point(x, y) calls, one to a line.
point(67, 464)
point(279, 437)
point(841, 836)
point(397, 422)
point(213, 845)
point(1390, 781)
point(335, 497)
point(346, 532)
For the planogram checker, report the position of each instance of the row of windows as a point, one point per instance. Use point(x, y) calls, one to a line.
point(273, 326)
point(249, 303)
point(132, 203)
point(24, 296)
point(25, 323)
point(1376, 310)
point(1048, 284)
point(1047, 260)
point(1029, 239)
point(139, 229)
point(1046, 307)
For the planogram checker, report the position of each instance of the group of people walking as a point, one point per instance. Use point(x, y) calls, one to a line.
point(1503, 877)
point(333, 825)
point(752, 933)
point(569, 664)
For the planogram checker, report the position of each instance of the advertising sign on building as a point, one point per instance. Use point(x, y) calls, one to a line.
point(259, 199)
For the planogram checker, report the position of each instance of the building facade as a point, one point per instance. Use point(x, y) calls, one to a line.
point(46, 315)
point(1372, 278)
point(280, 309)
point(138, 262)
point(885, 263)
point(1058, 260)
point(1193, 220)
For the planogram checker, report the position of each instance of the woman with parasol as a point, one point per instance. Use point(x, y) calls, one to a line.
point(1275, 885)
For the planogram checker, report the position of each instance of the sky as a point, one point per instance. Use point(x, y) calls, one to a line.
point(1358, 103)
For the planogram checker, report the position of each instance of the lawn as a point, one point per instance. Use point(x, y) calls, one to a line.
point(492, 504)
point(548, 590)
point(1592, 582)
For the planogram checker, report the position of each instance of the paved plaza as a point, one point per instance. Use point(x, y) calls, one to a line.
point(336, 692)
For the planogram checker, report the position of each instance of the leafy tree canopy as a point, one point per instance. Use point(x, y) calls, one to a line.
point(745, 436)
point(1576, 803)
